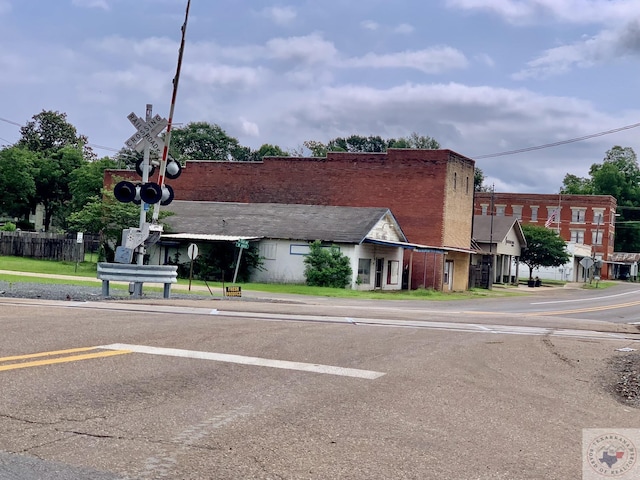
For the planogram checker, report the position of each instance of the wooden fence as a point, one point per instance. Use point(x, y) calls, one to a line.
point(42, 245)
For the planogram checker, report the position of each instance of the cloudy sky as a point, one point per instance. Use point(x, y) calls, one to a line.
point(483, 77)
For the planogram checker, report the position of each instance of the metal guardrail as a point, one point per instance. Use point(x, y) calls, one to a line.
point(123, 272)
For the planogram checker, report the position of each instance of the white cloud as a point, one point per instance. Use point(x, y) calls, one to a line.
point(102, 4)
point(369, 25)
point(604, 47)
point(249, 128)
point(570, 11)
point(224, 75)
point(432, 60)
point(151, 48)
point(307, 49)
point(404, 29)
point(485, 59)
point(280, 15)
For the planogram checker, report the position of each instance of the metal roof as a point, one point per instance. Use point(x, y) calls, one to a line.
point(275, 220)
point(495, 228)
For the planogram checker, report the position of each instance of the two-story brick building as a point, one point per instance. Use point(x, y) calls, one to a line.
point(580, 219)
point(430, 192)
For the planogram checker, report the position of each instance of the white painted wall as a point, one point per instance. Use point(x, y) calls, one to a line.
point(571, 271)
point(284, 263)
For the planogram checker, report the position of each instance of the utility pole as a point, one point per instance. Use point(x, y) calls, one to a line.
point(491, 207)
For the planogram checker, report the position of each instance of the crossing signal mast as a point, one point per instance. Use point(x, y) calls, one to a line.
point(147, 193)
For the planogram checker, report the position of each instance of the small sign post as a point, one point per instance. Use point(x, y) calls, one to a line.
point(192, 253)
point(241, 244)
point(79, 240)
point(233, 291)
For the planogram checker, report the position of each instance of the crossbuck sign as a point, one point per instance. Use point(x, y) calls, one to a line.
point(147, 133)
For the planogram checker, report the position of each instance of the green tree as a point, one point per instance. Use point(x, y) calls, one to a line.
point(544, 248)
point(106, 216)
point(619, 176)
point(205, 141)
point(216, 262)
point(52, 176)
point(86, 181)
point(17, 184)
point(49, 131)
point(370, 144)
point(478, 181)
point(414, 140)
point(268, 150)
point(126, 158)
point(574, 185)
point(326, 267)
point(317, 149)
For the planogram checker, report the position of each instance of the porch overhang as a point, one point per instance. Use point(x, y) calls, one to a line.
point(417, 247)
point(207, 237)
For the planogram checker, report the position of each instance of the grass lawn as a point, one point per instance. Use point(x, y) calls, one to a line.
point(88, 269)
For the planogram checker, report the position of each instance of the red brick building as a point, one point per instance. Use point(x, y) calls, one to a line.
point(430, 192)
point(581, 219)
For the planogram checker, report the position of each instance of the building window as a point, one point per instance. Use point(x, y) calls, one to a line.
point(455, 180)
point(596, 237)
point(393, 268)
point(485, 207)
point(598, 216)
point(553, 215)
point(268, 250)
point(364, 271)
point(517, 211)
point(467, 185)
point(577, 236)
point(578, 215)
point(500, 210)
point(534, 213)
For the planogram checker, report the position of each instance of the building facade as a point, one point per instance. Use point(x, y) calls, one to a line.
point(429, 191)
point(580, 219)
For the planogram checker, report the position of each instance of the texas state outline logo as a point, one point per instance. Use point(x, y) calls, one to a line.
point(610, 453)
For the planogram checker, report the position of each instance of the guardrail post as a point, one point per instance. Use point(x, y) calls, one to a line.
point(137, 274)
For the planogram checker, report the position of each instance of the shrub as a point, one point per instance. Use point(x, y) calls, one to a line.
point(9, 227)
point(326, 267)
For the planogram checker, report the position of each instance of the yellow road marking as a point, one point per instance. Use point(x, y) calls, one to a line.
point(542, 313)
point(46, 354)
point(52, 361)
point(584, 310)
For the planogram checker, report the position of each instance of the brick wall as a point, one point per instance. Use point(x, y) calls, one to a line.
point(535, 210)
point(416, 185)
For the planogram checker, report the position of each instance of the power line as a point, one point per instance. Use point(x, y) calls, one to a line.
point(92, 145)
point(555, 144)
point(9, 121)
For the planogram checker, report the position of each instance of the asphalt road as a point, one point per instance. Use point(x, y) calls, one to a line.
point(303, 388)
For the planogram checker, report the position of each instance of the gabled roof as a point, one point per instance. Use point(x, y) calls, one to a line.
point(278, 221)
point(494, 229)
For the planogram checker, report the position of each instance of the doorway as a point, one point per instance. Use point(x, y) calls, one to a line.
point(379, 271)
point(448, 275)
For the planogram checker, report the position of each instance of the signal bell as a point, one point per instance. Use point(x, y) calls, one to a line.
point(152, 167)
point(173, 170)
point(167, 195)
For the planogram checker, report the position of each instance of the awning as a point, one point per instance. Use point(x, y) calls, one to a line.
point(206, 236)
point(417, 246)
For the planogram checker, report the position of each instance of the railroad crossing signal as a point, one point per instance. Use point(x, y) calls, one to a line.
point(147, 136)
point(147, 133)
